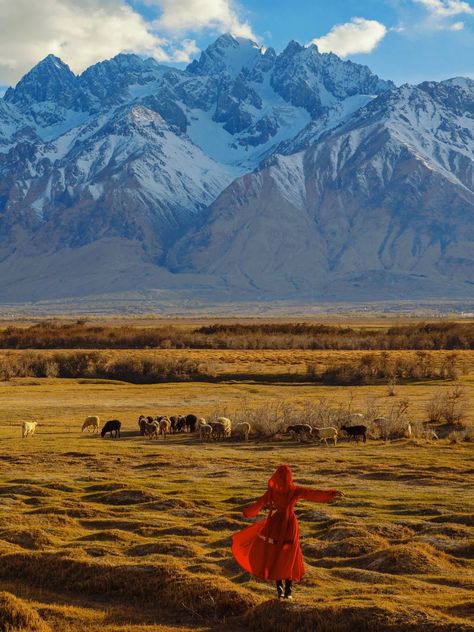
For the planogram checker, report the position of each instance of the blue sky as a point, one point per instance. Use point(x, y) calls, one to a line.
point(403, 40)
point(416, 46)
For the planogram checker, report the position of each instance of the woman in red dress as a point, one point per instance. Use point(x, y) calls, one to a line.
point(270, 548)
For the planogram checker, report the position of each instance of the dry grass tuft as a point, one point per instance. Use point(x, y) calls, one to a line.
point(180, 592)
point(349, 547)
point(408, 559)
point(461, 518)
point(17, 616)
point(275, 616)
point(122, 497)
point(31, 538)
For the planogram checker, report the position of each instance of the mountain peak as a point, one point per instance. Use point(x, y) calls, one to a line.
point(50, 80)
point(292, 48)
point(228, 53)
point(53, 61)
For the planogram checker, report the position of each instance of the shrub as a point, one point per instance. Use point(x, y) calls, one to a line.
point(449, 406)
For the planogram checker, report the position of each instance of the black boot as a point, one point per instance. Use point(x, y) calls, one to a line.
point(280, 591)
point(288, 584)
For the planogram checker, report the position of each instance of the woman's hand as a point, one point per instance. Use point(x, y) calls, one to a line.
point(338, 495)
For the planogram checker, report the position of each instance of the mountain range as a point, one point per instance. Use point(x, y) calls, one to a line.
point(249, 175)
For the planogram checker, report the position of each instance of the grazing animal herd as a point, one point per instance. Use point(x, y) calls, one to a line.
point(222, 428)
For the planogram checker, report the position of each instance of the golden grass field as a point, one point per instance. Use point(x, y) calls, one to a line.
point(134, 535)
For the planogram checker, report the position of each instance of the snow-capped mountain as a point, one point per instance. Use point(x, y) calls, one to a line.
point(296, 174)
point(384, 203)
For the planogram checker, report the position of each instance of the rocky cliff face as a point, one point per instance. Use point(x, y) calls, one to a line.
point(294, 175)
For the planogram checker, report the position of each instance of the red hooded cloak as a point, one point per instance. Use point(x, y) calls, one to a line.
point(270, 548)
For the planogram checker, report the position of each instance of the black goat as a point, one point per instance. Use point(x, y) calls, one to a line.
point(111, 426)
point(180, 424)
point(356, 432)
point(191, 421)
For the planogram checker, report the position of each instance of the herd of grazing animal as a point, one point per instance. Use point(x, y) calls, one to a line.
point(352, 431)
point(221, 428)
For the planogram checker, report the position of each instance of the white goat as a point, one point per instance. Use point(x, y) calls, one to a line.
point(28, 428)
point(323, 434)
point(91, 423)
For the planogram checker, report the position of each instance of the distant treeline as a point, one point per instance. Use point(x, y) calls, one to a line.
point(79, 335)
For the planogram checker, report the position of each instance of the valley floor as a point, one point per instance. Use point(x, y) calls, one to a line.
point(134, 535)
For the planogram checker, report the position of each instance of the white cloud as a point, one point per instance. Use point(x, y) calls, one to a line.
point(440, 12)
point(357, 36)
point(187, 51)
point(447, 8)
point(179, 16)
point(81, 33)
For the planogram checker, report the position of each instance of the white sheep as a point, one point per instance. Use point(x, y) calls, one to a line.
point(28, 428)
point(151, 430)
point(325, 433)
point(201, 422)
point(205, 432)
point(227, 425)
point(242, 429)
point(91, 423)
point(165, 426)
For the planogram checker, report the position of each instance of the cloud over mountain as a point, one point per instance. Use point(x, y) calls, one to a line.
point(357, 36)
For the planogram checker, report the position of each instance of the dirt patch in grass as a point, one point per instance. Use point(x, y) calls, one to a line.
point(18, 616)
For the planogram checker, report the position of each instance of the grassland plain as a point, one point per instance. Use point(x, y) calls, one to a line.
point(134, 535)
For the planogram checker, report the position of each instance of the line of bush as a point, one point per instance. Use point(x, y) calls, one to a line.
point(80, 335)
point(370, 369)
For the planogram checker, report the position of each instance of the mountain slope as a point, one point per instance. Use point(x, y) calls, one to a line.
point(129, 176)
point(384, 201)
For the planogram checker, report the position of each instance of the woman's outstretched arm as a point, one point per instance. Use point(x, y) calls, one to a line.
point(318, 495)
point(252, 510)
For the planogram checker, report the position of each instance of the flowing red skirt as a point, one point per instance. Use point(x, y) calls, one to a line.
point(267, 559)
